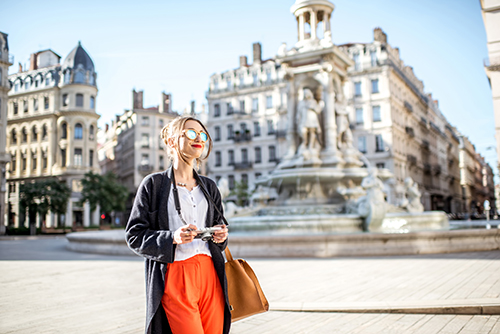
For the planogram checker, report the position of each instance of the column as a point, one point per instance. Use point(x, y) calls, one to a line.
point(314, 23)
point(301, 27)
point(326, 20)
point(86, 214)
point(290, 133)
point(330, 154)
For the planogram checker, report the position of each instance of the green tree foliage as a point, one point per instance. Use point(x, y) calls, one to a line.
point(241, 192)
point(105, 191)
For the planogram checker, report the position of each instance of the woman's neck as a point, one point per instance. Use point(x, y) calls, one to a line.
point(183, 171)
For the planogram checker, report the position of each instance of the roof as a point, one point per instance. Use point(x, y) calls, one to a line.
point(78, 56)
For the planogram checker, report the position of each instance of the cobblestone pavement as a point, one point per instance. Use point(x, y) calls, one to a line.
point(47, 289)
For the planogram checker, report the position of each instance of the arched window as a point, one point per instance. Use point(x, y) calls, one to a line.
point(78, 131)
point(79, 77)
point(64, 131)
point(67, 76)
point(27, 83)
point(13, 138)
point(24, 135)
point(34, 134)
point(48, 79)
point(44, 132)
point(91, 132)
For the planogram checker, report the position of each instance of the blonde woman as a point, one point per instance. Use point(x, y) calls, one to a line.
point(186, 287)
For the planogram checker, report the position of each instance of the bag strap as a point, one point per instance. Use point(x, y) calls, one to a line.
point(229, 256)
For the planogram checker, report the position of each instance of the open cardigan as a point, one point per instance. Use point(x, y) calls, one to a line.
point(148, 235)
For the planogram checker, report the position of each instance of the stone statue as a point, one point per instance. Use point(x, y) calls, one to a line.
point(344, 134)
point(308, 125)
point(412, 202)
point(372, 207)
point(282, 50)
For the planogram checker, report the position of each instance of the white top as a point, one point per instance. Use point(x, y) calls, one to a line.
point(194, 208)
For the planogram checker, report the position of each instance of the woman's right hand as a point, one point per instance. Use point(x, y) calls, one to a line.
point(185, 234)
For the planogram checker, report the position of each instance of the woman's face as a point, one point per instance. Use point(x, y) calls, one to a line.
point(192, 148)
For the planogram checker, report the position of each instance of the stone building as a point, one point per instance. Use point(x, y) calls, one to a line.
point(491, 18)
point(51, 131)
point(5, 62)
point(133, 147)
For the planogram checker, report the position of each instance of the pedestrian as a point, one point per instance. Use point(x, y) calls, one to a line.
point(186, 287)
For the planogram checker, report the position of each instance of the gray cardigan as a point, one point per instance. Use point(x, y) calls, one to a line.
point(147, 234)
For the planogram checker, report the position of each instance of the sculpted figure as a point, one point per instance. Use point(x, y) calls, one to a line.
point(344, 134)
point(372, 206)
point(412, 203)
point(308, 121)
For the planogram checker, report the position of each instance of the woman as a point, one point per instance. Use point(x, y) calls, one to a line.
point(186, 288)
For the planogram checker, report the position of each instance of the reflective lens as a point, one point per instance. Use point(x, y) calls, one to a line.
point(192, 134)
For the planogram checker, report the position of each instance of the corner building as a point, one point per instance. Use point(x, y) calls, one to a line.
point(51, 131)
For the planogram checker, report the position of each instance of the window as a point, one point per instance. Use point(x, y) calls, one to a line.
point(230, 131)
point(145, 121)
point(13, 163)
point(64, 131)
point(216, 84)
point(67, 77)
point(229, 83)
point(27, 84)
point(91, 79)
point(242, 79)
point(34, 134)
point(78, 157)
point(46, 103)
point(258, 155)
point(255, 78)
point(242, 106)
point(216, 110)
point(229, 109)
point(160, 122)
point(230, 154)
point(217, 178)
point(376, 114)
point(92, 102)
point(380, 165)
point(230, 178)
point(47, 80)
point(257, 175)
point(24, 135)
point(25, 106)
point(243, 127)
point(359, 116)
point(37, 81)
point(13, 137)
point(33, 160)
point(79, 77)
point(145, 160)
point(268, 76)
point(16, 86)
point(65, 100)
point(272, 153)
point(78, 131)
point(379, 143)
point(91, 158)
point(44, 159)
point(145, 140)
point(16, 108)
point(375, 86)
point(217, 133)
point(218, 159)
point(269, 102)
point(244, 155)
point(162, 162)
point(79, 100)
point(270, 127)
point(244, 179)
point(255, 105)
point(373, 57)
point(362, 144)
point(91, 132)
point(35, 104)
point(355, 57)
point(23, 161)
point(44, 132)
point(357, 89)
point(256, 129)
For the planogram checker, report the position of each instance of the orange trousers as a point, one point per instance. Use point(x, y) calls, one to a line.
point(193, 299)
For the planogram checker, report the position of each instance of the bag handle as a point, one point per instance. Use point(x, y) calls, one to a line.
point(229, 256)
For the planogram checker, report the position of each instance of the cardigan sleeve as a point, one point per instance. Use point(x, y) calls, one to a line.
point(142, 238)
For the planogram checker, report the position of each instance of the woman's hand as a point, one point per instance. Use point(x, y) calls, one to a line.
point(185, 234)
point(221, 235)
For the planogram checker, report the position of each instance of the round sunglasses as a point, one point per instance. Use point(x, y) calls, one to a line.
point(192, 134)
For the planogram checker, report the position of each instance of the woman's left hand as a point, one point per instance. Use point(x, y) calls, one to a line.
point(221, 235)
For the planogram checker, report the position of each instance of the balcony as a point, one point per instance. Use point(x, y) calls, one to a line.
point(280, 134)
point(437, 169)
point(425, 145)
point(427, 168)
point(145, 169)
point(409, 131)
point(408, 106)
point(241, 137)
point(411, 159)
point(243, 165)
point(423, 122)
point(492, 64)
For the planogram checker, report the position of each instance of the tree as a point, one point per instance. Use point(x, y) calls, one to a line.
point(105, 191)
point(44, 196)
point(241, 192)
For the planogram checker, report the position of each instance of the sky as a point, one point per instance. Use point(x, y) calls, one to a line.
point(174, 46)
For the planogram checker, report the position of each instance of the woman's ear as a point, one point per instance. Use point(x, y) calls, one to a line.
point(171, 142)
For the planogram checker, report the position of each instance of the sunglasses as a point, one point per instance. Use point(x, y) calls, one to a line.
point(192, 134)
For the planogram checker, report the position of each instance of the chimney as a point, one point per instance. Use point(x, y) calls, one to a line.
point(33, 62)
point(379, 36)
point(192, 107)
point(137, 100)
point(243, 61)
point(165, 103)
point(436, 102)
point(107, 127)
point(20, 68)
point(257, 53)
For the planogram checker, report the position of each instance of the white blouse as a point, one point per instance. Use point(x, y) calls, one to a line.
point(194, 208)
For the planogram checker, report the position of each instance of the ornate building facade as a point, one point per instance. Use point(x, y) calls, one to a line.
point(51, 131)
point(5, 62)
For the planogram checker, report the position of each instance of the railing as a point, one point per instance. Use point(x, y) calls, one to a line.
point(412, 160)
point(242, 137)
point(408, 106)
point(423, 122)
point(493, 64)
point(409, 130)
point(243, 165)
point(437, 169)
point(281, 134)
point(425, 145)
point(145, 168)
point(427, 168)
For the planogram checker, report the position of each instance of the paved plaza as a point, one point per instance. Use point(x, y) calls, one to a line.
point(47, 289)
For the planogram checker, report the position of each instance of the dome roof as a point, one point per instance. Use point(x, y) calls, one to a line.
point(78, 56)
point(306, 3)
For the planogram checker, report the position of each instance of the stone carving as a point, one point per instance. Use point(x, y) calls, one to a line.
point(372, 207)
point(308, 125)
point(262, 195)
point(282, 50)
point(412, 202)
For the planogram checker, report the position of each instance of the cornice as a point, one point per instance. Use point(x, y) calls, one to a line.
point(30, 118)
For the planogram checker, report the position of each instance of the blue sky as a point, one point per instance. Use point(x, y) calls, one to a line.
point(174, 46)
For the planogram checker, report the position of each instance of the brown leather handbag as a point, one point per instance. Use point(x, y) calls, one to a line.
point(246, 297)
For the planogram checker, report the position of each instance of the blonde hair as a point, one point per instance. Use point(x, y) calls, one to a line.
point(174, 130)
